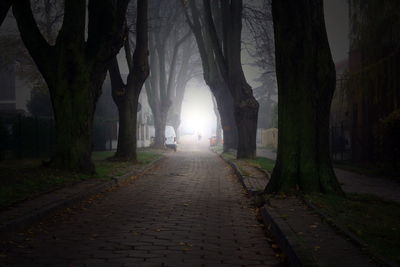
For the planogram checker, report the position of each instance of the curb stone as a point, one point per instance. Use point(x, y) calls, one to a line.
point(98, 187)
point(298, 257)
point(287, 241)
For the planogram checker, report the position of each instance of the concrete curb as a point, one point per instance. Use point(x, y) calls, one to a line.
point(284, 236)
point(298, 257)
point(36, 215)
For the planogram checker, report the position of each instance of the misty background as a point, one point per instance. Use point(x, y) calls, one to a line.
point(197, 108)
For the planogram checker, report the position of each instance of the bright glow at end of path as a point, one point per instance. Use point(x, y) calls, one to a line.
point(198, 115)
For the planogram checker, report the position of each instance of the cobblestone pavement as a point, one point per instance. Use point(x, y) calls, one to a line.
point(188, 211)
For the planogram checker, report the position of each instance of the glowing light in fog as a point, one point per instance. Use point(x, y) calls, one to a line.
point(197, 115)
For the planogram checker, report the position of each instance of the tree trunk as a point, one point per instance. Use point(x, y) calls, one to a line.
point(228, 58)
point(228, 122)
point(306, 81)
point(160, 122)
point(218, 129)
point(245, 105)
point(246, 116)
point(127, 97)
point(176, 129)
point(127, 133)
point(74, 69)
point(74, 107)
point(213, 77)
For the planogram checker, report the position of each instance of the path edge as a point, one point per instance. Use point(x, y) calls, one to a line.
point(33, 217)
point(298, 257)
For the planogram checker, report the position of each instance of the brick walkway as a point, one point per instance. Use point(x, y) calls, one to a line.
point(189, 211)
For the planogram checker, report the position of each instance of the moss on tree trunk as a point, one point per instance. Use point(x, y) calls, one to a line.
point(73, 112)
point(306, 81)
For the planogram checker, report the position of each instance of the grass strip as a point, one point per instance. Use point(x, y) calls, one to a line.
point(371, 219)
point(26, 178)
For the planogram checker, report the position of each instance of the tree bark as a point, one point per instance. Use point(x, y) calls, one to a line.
point(228, 59)
point(245, 105)
point(160, 123)
point(127, 131)
point(73, 107)
point(218, 129)
point(225, 108)
point(5, 5)
point(74, 70)
point(126, 97)
point(306, 81)
point(214, 77)
point(161, 83)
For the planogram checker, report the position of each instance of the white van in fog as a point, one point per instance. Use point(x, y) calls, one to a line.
point(170, 137)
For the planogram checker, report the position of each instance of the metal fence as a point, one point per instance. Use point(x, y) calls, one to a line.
point(22, 136)
point(340, 144)
point(34, 137)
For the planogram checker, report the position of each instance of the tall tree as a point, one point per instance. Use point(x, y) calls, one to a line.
point(218, 129)
point(212, 75)
point(5, 5)
point(166, 39)
point(306, 81)
point(227, 51)
point(74, 69)
point(188, 69)
point(126, 96)
point(259, 43)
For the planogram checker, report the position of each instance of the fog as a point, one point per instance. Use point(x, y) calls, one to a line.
point(198, 115)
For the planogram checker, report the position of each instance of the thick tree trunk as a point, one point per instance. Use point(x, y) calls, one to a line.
point(245, 105)
point(127, 97)
point(218, 129)
point(176, 129)
point(228, 58)
point(127, 134)
point(214, 78)
point(228, 122)
point(160, 122)
point(246, 116)
point(74, 107)
point(74, 69)
point(306, 81)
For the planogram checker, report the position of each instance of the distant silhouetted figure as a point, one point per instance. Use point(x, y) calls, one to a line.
point(199, 137)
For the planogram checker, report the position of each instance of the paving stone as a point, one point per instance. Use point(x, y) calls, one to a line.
point(188, 211)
